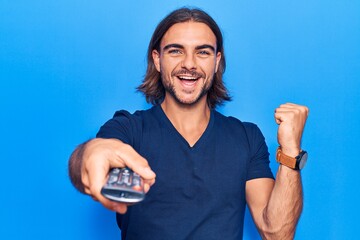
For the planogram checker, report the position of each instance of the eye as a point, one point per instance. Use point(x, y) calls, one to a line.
point(204, 53)
point(174, 51)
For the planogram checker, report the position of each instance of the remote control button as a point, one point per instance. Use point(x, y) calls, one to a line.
point(112, 179)
point(121, 179)
point(124, 185)
point(126, 179)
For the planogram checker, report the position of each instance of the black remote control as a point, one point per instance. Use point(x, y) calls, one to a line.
point(123, 185)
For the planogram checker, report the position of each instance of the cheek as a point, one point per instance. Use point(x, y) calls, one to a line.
point(170, 67)
point(210, 71)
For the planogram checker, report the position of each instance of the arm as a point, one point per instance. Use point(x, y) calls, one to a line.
point(91, 161)
point(276, 206)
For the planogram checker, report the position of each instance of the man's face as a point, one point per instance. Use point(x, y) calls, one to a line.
point(187, 61)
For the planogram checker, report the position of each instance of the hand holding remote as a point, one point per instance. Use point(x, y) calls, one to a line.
point(101, 155)
point(123, 185)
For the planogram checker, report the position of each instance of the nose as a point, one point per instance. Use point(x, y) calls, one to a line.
point(189, 62)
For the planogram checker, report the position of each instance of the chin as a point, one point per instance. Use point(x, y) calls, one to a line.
point(189, 101)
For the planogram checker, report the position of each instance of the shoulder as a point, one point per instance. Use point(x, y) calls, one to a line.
point(233, 121)
point(127, 115)
point(123, 125)
point(235, 126)
point(251, 128)
point(124, 116)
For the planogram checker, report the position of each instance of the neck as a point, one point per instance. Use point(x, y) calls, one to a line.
point(189, 120)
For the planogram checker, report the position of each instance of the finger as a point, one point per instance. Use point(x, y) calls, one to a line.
point(85, 182)
point(285, 109)
point(146, 187)
point(96, 183)
point(278, 118)
point(120, 208)
point(283, 113)
point(87, 190)
point(286, 114)
point(290, 106)
point(136, 162)
point(115, 206)
point(148, 184)
point(98, 173)
point(298, 114)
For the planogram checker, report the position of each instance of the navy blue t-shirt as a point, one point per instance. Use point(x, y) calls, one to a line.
point(199, 191)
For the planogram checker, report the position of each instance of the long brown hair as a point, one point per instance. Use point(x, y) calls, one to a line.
point(152, 86)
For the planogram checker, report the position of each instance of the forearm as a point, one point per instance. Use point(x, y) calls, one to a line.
point(74, 167)
point(283, 210)
point(277, 209)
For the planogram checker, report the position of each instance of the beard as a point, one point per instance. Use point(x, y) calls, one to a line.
point(170, 88)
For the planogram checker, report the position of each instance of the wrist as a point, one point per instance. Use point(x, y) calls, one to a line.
point(296, 160)
point(290, 151)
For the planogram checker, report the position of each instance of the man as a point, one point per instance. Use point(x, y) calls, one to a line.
point(207, 166)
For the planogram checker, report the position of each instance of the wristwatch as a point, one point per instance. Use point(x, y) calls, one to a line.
point(296, 163)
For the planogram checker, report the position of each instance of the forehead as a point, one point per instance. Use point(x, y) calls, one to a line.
point(189, 34)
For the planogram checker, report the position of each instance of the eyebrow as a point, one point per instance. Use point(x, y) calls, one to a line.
point(175, 45)
point(205, 46)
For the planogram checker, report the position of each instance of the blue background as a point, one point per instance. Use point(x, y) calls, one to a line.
point(66, 66)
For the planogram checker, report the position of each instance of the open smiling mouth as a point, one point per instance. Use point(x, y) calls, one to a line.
point(188, 80)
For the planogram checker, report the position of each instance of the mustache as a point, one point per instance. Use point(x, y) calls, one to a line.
point(187, 72)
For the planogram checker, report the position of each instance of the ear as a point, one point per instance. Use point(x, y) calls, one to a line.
point(156, 59)
point(218, 58)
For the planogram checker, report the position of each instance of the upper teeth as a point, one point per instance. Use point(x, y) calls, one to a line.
point(187, 77)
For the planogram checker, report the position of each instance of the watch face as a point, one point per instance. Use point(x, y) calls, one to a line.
point(303, 160)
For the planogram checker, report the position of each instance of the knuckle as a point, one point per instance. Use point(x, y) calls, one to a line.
point(292, 114)
point(306, 110)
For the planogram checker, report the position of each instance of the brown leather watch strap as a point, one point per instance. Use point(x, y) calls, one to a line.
point(284, 159)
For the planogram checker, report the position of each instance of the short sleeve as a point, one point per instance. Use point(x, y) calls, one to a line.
point(119, 127)
point(259, 160)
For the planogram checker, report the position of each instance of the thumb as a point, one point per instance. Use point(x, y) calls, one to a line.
point(278, 119)
point(137, 163)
